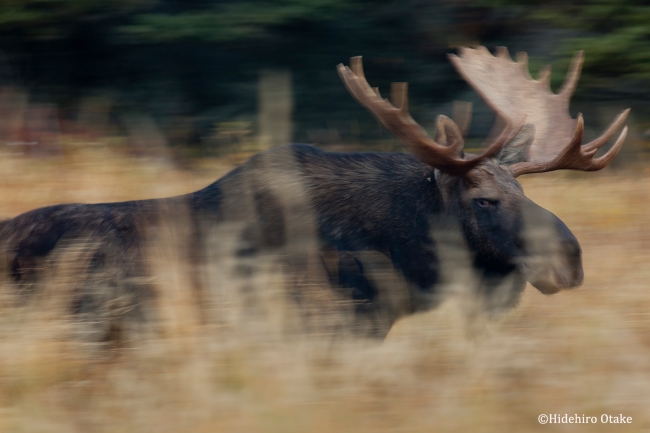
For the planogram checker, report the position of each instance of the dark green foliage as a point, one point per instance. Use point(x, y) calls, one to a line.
point(201, 59)
point(231, 21)
point(614, 33)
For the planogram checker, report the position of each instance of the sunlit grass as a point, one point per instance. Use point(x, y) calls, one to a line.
point(585, 351)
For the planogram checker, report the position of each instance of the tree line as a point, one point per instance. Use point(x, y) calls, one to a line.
point(200, 60)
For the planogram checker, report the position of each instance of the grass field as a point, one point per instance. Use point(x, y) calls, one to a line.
point(580, 352)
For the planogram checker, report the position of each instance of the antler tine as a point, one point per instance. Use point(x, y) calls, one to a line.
point(544, 75)
point(358, 85)
point(502, 52)
point(604, 160)
point(609, 132)
point(522, 58)
point(462, 115)
point(573, 147)
point(572, 77)
point(576, 156)
point(399, 95)
point(356, 63)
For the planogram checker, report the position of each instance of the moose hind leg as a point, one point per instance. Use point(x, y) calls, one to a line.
point(109, 299)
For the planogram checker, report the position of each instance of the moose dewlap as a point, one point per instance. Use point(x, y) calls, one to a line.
point(373, 236)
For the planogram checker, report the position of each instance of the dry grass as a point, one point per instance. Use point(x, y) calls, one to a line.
point(585, 351)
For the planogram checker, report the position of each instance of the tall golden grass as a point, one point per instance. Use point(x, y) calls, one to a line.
point(580, 352)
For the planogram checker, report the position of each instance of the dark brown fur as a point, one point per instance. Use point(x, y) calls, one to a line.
point(293, 198)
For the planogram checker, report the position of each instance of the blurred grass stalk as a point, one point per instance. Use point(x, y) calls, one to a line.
point(585, 351)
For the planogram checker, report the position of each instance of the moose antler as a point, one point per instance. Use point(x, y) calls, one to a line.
point(576, 156)
point(508, 88)
point(446, 151)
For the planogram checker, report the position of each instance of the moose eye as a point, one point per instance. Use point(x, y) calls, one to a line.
point(485, 203)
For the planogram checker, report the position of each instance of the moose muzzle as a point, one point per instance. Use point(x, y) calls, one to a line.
point(552, 258)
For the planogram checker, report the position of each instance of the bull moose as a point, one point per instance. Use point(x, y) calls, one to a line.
point(409, 210)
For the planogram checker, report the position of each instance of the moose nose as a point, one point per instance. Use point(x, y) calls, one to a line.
point(572, 253)
point(552, 254)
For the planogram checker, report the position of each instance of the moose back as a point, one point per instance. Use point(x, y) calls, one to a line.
point(424, 215)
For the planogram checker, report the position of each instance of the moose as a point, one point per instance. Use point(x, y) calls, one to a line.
point(407, 211)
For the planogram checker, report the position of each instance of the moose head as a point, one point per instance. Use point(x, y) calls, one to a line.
point(507, 233)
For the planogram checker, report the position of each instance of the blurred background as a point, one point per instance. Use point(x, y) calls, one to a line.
point(109, 100)
point(195, 78)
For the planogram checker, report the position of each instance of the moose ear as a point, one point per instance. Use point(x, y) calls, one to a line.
point(448, 135)
point(516, 150)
